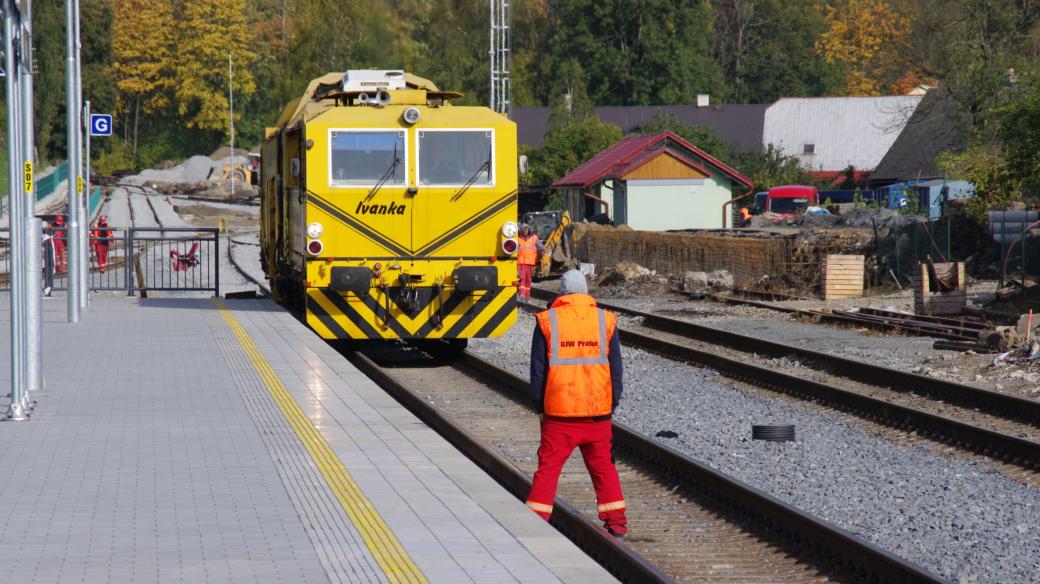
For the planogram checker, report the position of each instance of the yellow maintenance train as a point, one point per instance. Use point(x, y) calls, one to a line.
point(389, 213)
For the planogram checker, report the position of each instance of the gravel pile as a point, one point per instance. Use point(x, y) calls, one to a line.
point(954, 516)
point(195, 169)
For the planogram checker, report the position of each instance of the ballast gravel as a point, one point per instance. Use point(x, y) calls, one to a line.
point(143, 215)
point(117, 208)
point(163, 208)
point(954, 516)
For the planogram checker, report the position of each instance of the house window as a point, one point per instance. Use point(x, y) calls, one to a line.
point(808, 148)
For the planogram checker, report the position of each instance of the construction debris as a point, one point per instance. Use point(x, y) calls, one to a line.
point(940, 288)
point(629, 279)
point(1021, 355)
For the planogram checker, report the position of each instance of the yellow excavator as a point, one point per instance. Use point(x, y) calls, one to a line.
point(555, 231)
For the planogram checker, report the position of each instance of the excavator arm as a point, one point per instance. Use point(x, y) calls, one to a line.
point(554, 230)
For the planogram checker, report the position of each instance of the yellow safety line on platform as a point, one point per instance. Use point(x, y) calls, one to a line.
point(381, 541)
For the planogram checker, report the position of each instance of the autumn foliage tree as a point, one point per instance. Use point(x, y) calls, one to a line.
point(210, 32)
point(142, 59)
point(869, 38)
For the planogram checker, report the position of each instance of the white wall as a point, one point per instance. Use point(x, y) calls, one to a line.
point(660, 205)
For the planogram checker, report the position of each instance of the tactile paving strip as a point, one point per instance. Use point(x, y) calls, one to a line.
point(343, 550)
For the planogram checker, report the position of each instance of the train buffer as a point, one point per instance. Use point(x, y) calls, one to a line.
point(204, 441)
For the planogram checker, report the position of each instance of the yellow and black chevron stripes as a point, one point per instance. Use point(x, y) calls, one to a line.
point(397, 248)
point(377, 316)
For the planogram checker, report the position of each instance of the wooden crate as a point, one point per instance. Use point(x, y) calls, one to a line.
point(952, 302)
point(842, 276)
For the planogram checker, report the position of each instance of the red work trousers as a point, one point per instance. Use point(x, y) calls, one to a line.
point(101, 249)
point(60, 257)
point(524, 271)
point(560, 436)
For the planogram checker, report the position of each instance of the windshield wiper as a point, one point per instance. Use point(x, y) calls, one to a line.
point(386, 175)
point(486, 166)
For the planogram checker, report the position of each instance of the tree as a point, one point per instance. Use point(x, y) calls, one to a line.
point(142, 64)
point(1019, 133)
point(770, 167)
point(638, 53)
point(996, 185)
point(702, 137)
point(766, 49)
point(569, 101)
point(869, 37)
point(568, 146)
point(212, 30)
point(49, 81)
point(993, 39)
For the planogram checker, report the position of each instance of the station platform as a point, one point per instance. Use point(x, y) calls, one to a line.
point(187, 440)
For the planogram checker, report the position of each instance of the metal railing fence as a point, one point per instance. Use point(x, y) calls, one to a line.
point(175, 259)
point(136, 260)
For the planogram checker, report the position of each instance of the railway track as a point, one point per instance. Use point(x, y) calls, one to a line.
point(978, 420)
point(688, 523)
point(951, 329)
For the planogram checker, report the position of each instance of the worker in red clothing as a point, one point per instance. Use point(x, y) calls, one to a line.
point(526, 258)
point(575, 386)
point(60, 255)
point(101, 238)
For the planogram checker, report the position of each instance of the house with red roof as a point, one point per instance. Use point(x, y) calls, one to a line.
point(654, 183)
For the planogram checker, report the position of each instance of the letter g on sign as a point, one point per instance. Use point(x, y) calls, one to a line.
point(100, 125)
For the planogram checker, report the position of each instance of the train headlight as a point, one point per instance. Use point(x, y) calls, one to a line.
point(509, 229)
point(411, 115)
point(314, 230)
point(509, 246)
point(314, 247)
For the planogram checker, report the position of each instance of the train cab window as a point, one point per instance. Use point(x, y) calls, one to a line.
point(456, 157)
point(368, 157)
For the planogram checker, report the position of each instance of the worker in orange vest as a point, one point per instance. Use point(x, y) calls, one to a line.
point(745, 217)
point(100, 239)
point(526, 258)
point(575, 386)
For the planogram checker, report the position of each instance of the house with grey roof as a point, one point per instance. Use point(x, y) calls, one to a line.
point(830, 134)
point(935, 127)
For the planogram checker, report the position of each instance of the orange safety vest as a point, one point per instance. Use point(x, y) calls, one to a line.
point(577, 335)
point(527, 253)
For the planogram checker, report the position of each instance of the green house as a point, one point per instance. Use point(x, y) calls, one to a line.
point(654, 183)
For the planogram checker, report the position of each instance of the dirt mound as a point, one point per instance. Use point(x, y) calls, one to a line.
point(628, 280)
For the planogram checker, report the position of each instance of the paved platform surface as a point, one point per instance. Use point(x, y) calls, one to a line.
point(180, 442)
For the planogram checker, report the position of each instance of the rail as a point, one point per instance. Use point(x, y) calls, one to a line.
point(759, 511)
point(1019, 451)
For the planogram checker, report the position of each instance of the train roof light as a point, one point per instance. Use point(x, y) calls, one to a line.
point(373, 80)
point(411, 115)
